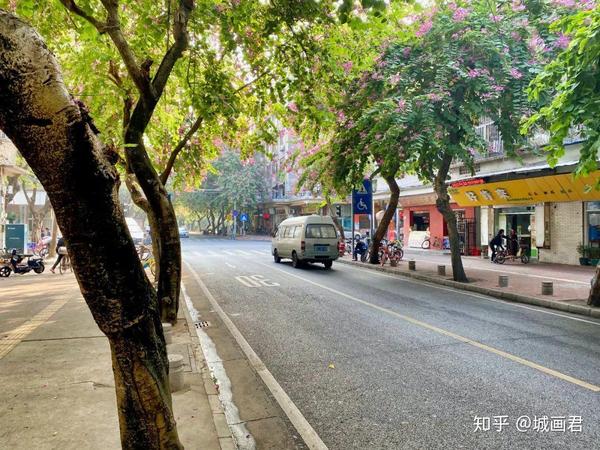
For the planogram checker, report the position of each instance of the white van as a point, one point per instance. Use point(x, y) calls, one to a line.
point(306, 239)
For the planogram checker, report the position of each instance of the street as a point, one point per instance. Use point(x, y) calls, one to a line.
point(373, 361)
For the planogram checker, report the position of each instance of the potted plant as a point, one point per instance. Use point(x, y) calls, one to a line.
point(583, 251)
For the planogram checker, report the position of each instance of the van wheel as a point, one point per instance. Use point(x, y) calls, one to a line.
point(328, 264)
point(295, 261)
point(276, 257)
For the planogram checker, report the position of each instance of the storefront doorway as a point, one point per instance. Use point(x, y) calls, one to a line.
point(522, 220)
point(593, 223)
point(420, 221)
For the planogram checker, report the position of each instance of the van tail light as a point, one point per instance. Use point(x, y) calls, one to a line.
point(303, 247)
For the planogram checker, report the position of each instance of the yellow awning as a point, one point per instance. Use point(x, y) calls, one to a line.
point(526, 191)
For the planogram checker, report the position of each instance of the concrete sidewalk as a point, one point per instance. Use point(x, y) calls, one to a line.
point(571, 283)
point(56, 375)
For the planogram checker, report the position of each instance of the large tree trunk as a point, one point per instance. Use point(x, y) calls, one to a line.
point(594, 298)
point(443, 206)
point(386, 219)
point(49, 130)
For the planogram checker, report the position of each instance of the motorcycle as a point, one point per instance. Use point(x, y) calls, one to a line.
point(17, 266)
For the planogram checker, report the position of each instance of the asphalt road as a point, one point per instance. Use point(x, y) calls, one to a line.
point(373, 361)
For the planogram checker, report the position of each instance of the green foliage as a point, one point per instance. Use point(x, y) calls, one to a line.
point(569, 89)
point(431, 85)
point(232, 181)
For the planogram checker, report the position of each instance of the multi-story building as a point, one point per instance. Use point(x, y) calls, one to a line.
point(286, 200)
point(551, 211)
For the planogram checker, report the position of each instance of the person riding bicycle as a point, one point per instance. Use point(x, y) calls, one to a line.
point(60, 243)
point(496, 243)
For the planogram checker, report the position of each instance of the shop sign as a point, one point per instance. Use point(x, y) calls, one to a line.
point(463, 183)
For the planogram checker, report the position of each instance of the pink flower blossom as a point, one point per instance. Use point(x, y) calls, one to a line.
point(460, 14)
point(564, 3)
point(495, 18)
point(424, 28)
point(378, 137)
point(401, 105)
point(434, 97)
point(350, 124)
point(347, 66)
point(394, 79)
point(292, 107)
point(562, 41)
point(341, 117)
point(515, 73)
point(473, 73)
point(515, 36)
point(517, 6)
point(498, 88)
point(406, 52)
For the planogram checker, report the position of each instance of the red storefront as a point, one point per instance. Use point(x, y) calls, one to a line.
point(421, 218)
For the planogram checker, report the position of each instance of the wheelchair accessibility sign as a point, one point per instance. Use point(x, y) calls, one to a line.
point(362, 198)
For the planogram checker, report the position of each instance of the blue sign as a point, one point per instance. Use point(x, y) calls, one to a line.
point(244, 217)
point(235, 213)
point(362, 199)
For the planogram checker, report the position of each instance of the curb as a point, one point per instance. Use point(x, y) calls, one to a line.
point(224, 434)
point(509, 296)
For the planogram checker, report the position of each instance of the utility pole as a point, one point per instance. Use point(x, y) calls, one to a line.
point(234, 214)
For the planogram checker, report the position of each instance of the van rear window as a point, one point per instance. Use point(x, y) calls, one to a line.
point(320, 231)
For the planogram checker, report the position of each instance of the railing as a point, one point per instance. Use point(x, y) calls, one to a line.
point(488, 130)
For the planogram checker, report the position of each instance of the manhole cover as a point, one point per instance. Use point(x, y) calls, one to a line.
point(202, 324)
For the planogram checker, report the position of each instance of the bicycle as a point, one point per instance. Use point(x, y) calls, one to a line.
point(502, 255)
point(65, 265)
point(146, 258)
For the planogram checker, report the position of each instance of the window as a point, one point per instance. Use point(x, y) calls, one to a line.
point(297, 231)
point(593, 223)
point(320, 231)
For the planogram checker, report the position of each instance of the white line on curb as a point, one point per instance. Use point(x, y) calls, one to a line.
point(308, 434)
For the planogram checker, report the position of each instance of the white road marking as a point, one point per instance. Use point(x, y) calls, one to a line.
point(472, 294)
point(215, 363)
point(230, 265)
point(255, 281)
point(308, 434)
point(242, 252)
point(450, 334)
point(228, 253)
point(261, 252)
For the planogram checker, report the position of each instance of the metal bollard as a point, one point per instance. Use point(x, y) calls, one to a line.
point(547, 288)
point(503, 280)
point(168, 332)
point(176, 372)
point(412, 265)
point(441, 270)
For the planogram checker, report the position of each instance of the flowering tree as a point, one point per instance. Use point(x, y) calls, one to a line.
point(569, 88)
point(421, 104)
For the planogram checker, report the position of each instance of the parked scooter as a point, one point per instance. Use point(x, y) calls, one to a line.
point(17, 266)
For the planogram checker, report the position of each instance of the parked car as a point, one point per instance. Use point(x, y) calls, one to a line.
point(135, 230)
point(306, 239)
point(183, 232)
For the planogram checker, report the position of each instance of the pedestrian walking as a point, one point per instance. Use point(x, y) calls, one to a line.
point(61, 254)
point(496, 243)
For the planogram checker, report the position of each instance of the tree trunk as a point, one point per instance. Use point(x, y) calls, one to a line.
point(48, 128)
point(443, 206)
point(387, 217)
point(594, 298)
point(335, 219)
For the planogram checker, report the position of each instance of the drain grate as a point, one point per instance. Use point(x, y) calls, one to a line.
point(202, 324)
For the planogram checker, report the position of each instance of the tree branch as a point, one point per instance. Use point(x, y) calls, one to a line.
point(30, 201)
point(136, 195)
point(72, 6)
point(180, 35)
point(164, 176)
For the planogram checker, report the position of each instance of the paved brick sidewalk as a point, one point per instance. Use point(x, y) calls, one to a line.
point(571, 283)
point(56, 376)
